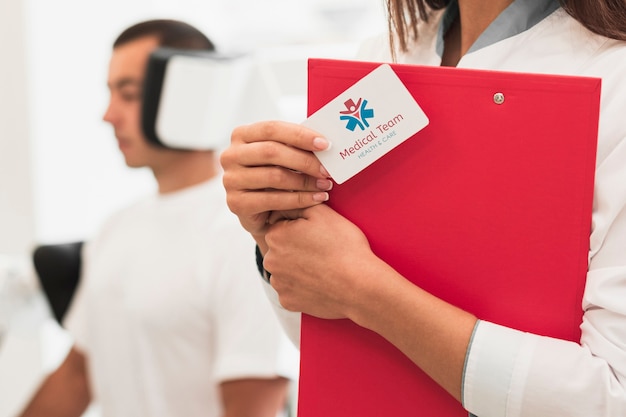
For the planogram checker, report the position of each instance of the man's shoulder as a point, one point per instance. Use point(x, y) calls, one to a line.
point(133, 209)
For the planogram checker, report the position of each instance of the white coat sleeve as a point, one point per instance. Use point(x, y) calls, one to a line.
point(514, 374)
point(288, 319)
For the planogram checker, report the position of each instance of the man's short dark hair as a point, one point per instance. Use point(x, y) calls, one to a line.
point(170, 33)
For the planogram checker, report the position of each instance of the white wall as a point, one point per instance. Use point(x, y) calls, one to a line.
point(61, 173)
point(16, 195)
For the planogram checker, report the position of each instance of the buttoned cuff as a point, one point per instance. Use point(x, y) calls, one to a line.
point(498, 359)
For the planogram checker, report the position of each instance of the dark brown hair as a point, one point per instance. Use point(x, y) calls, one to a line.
point(403, 17)
point(170, 33)
point(604, 17)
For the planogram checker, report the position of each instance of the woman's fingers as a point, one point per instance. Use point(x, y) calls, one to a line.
point(275, 143)
point(270, 167)
point(290, 134)
point(273, 178)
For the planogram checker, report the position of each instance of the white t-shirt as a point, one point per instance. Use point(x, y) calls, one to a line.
point(514, 374)
point(169, 305)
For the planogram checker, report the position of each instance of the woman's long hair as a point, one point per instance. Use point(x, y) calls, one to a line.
point(604, 17)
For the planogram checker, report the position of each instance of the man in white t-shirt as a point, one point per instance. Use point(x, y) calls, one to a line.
point(167, 320)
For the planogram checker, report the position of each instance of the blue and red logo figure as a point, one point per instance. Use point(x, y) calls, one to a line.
point(356, 114)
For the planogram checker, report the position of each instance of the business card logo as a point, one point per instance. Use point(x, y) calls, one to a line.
point(365, 122)
point(356, 114)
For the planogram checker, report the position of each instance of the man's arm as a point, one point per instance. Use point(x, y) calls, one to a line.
point(65, 393)
point(254, 397)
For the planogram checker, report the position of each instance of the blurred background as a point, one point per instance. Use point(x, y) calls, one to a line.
point(61, 173)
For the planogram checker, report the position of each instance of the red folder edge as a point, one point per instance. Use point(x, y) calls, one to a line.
point(507, 239)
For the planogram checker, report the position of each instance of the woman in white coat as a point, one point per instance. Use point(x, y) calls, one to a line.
point(271, 173)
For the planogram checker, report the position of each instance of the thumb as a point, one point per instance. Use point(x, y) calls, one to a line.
point(279, 215)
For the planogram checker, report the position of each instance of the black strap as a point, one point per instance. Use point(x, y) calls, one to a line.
point(266, 275)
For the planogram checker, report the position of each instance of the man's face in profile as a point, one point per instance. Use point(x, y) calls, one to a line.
point(125, 82)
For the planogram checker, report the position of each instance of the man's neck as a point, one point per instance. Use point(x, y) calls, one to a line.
point(185, 171)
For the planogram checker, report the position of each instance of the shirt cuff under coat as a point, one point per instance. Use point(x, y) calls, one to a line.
point(496, 358)
point(288, 319)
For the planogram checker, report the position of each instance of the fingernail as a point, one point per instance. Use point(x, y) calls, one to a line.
point(323, 171)
point(321, 143)
point(325, 185)
point(321, 197)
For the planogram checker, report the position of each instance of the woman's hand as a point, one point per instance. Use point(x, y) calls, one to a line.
point(322, 265)
point(270, 167)
point(319, 262)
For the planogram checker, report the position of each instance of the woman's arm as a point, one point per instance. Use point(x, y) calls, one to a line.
point(508, 372)
point(311, 259)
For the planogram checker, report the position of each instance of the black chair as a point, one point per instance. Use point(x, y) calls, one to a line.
point(58, 268)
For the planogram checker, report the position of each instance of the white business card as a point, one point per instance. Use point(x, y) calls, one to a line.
point(365, 122)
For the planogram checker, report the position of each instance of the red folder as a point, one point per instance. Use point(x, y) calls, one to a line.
point(488, 207)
